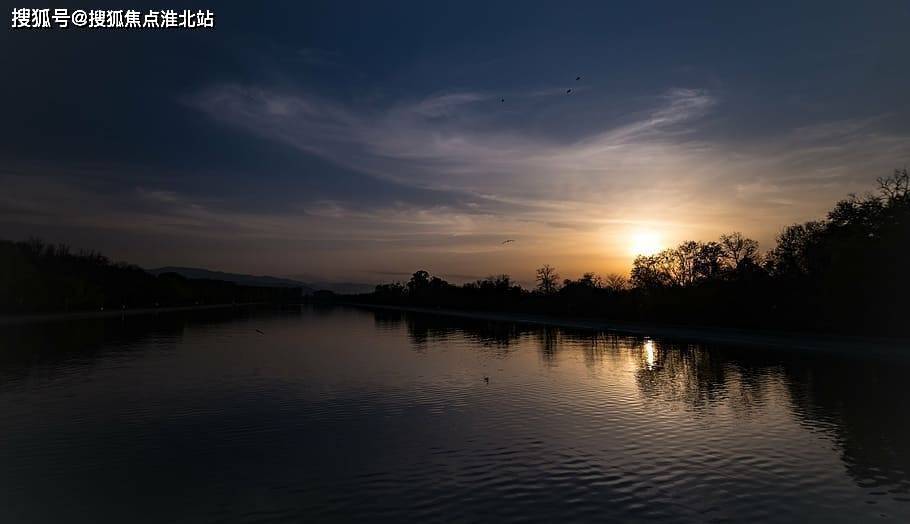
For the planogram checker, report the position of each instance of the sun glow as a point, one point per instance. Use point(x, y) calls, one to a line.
point(644, 243)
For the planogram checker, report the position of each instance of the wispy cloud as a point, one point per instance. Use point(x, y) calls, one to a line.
point(445, 104)
point(652, 163)
point(455, 140)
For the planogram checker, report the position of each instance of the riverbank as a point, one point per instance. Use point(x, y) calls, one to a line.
point(713, 335)
point(77, 315)
point(698, 334)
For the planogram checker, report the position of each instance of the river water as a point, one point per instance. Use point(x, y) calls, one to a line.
point(343, 414)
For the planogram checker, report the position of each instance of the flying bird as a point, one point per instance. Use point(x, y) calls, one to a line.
point(577, 78)
point(568, 91)
point(507, 241)
point(260, 332)
point(502, 99)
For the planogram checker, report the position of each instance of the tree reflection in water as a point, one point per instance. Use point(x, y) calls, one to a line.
point(861, 400)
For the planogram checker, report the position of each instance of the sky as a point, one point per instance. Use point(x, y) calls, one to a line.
point(361, 141)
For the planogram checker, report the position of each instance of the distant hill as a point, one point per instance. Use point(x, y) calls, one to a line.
point(244, 280)
point(344, 288)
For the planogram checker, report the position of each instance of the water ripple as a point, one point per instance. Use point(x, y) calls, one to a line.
point(343, 415)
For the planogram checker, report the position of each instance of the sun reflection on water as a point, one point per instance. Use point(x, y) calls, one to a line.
point(649, 353)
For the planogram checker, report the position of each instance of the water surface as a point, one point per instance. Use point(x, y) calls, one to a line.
point(336, 414)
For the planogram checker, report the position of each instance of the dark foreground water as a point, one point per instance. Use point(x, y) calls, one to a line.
point(344, 414)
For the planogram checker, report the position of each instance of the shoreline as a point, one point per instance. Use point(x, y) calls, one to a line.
point(6, 320)
point(700, 334)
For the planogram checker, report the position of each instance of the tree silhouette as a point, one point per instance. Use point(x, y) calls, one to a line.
point(547, 279)
point(616, 282)
point(895, 188)
point(420, 281)
point(40, 277)
point(738, 251)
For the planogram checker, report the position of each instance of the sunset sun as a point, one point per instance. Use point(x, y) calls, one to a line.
point(644, 243)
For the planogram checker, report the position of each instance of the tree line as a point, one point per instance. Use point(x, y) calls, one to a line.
point(844, 273)
point(37, 277)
